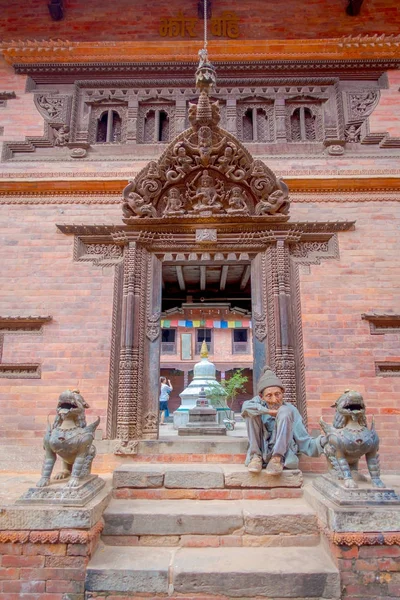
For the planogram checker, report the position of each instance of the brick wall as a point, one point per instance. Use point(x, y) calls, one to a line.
point(38, 276)
point(45, 565)
point(102, 20)
point(368, 571)
point(339, 350)
point(386, 116)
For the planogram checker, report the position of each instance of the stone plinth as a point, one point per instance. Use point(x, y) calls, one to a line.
point(364, 495)
point(61, 495)
point(202, 419)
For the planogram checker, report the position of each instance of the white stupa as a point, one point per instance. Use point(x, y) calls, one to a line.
point(203, 377)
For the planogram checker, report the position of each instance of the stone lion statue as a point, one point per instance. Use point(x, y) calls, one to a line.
point(71, 439)
point(349, 439)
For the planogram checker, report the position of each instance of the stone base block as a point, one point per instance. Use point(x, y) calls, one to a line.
point(197, 429)
point(59, 494)
point(240, 477)
point(364, 495)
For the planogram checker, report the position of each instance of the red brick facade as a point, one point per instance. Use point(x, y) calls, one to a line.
point(93, 20)
point(40, 277)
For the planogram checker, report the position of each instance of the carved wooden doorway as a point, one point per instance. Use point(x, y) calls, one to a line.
point(274, 254)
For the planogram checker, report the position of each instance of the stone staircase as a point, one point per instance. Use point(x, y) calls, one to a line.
point(209, 531)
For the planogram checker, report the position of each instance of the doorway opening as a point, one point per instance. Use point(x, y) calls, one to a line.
point(206, 301)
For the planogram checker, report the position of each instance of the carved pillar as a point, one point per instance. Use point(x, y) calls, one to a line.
point(280, 120)
point(271, 316)
point(259, 315)
point(131, 360)
point(133, 110)
point(231, 115)
point(149, 395)
point(284, 357)
point(180, 115)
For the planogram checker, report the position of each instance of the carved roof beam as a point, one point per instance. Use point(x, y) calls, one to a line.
point(224, 275)
point(245, 276)
point(203, 277)
point(181, 279)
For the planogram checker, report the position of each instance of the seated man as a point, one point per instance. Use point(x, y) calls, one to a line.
point(276, 430)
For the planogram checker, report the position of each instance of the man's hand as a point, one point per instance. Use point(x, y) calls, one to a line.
point(323, 441)
point(273, 412)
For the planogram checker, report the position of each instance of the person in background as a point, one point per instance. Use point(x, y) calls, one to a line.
point(165, 391)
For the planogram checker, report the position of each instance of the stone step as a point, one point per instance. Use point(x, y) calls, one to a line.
point(196, 445)
point(297, 572)
point(215, 481)
point(254, 520)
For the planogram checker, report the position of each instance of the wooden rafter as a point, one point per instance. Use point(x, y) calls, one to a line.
point(224, 275)
point(203, 277)
point(245, 277)
point(181, 279)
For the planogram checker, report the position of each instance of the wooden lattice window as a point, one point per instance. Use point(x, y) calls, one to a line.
point(256, 127)
point(156, 127)
point(109, 127)
point(302, 125)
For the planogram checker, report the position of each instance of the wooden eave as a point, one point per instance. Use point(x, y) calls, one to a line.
point(307, 184)
point(378, 47)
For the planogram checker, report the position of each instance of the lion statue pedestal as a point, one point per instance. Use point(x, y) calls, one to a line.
point(348, 439)
point(71, 439)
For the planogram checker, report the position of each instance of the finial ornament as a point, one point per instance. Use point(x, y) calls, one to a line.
point(204, 350)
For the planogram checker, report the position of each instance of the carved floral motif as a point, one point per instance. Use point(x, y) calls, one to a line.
point(260, 326)
point(123, 448)
point(52, 108)
point(153, 326)
point(362, 104)
point(104, 250)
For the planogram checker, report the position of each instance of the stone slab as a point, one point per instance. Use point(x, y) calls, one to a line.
point(172, 517)
point(262, 572)
point(128, 569)
point(363, 495)
point(138, 476)
point(195, 430)
point(59, 494)
point(352, 519)
point(194, 477)
point(275, 517)
point(238, 476)
point(177, 445)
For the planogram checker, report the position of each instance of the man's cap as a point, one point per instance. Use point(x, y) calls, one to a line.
point(268, 379)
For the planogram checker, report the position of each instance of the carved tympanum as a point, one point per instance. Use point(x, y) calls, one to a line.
point(205, 172)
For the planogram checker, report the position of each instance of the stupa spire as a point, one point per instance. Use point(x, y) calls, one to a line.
point(204, 350)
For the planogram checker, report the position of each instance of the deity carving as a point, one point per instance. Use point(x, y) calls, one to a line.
point(181, 166)
point(352, 134)
point(237, 202)
point(174, 203)
point(61, 136)
point(207, 195)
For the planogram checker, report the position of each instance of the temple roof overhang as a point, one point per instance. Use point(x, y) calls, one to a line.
point(361, 47)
